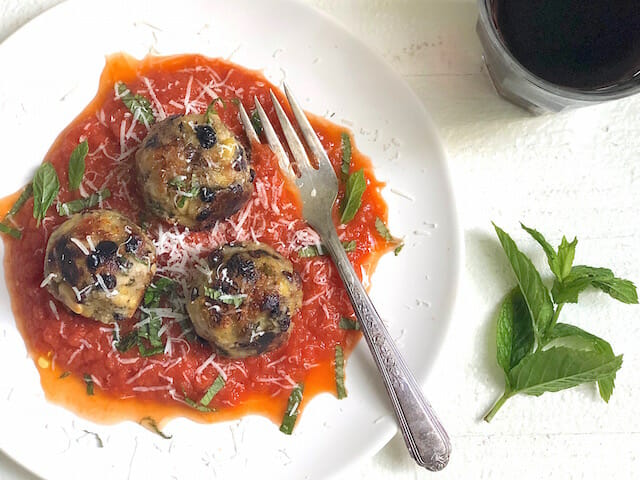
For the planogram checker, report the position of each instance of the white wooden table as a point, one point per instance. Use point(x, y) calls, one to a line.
point(576, 173)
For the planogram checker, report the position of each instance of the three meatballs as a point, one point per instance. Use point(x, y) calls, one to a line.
point(193, 170)
point(99, 265)
point(244, 302)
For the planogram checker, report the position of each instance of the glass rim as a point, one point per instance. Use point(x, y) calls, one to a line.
point(610, 92)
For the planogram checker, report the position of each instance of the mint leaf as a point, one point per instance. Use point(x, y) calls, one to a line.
point(576, 338)
point(514, 336)
point(618, 288)
point(356, 185)
point(559, 368)
point(45, 189)
point(535, 293)
point(582, 277)
point(76, 165)
point(566, 254)
point(560, 262)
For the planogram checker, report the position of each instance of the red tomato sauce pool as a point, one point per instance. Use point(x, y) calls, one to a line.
point(68, 348)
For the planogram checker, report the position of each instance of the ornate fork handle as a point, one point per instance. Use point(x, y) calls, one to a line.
point(423, 434)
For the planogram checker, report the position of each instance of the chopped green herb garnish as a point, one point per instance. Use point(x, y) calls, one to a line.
point(215, 294)
point(89, 381)
point(45, 189)
point(14, 232)
point(215, 387)
point(65, 374)
point(256, 122)
point(235, 101)
point(211, 109)
point(383, 230)
point(346, 156)
point(159, 287)
point(76, 165)
point(386, 234)
point(356, 185)
point(127, 342)
point(24, 196)
point(293, 409)
point(178, 181)
point(196, 405)
point(320, 250)
point(151, 424)
point(349, 324)
point(74, 206)
point(340, 389)
point(137, 104)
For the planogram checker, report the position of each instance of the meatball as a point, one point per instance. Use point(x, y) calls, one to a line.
point(99, 265)
point(243, 303)
point(193, 171)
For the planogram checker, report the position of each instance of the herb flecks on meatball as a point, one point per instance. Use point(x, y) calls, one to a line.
point(193, 171)
point(244, 301)
point(99, 264)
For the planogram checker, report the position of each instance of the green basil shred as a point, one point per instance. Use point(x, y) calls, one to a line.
point(229, 299)
point(22, 199)
point(151, 424)
point(320, 250)
point(75, 206)
point(384, 232)
point(346, 155)
point(349, 324)
point(89, 381)
point(340, 389)
point(137, 104)
point(293, 409)
point(15, 233)
point(212, 391)
point(256, 122)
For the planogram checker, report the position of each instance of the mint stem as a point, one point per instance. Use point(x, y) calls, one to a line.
point(497, 406)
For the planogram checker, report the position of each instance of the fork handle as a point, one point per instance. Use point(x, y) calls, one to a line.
point(426, 439)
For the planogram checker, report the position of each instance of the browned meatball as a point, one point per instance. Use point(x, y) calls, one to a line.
point(243, 304)
point(99, 265)
point(193, 171)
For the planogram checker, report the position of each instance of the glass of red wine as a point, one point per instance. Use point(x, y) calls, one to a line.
point(551, 55)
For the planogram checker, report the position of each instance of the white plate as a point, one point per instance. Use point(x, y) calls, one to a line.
point(50, 71)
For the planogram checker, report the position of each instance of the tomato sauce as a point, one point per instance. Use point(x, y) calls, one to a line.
point(66, 347)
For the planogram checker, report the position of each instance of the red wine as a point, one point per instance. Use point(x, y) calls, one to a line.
point(585, 44)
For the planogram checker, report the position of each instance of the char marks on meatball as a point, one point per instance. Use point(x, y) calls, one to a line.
point(99, 264)
point(193, 171)
point(243, 305)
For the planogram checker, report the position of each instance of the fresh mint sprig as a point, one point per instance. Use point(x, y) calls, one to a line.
point(538, 354)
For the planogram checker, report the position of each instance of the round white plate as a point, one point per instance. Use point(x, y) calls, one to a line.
point(50, 71)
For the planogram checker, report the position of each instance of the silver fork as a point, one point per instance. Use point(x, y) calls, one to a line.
point(426, 439)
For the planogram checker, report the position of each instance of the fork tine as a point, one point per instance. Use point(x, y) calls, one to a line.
point(274, 142)
point(248, 126)
point(308, 133)
point(295, 145)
